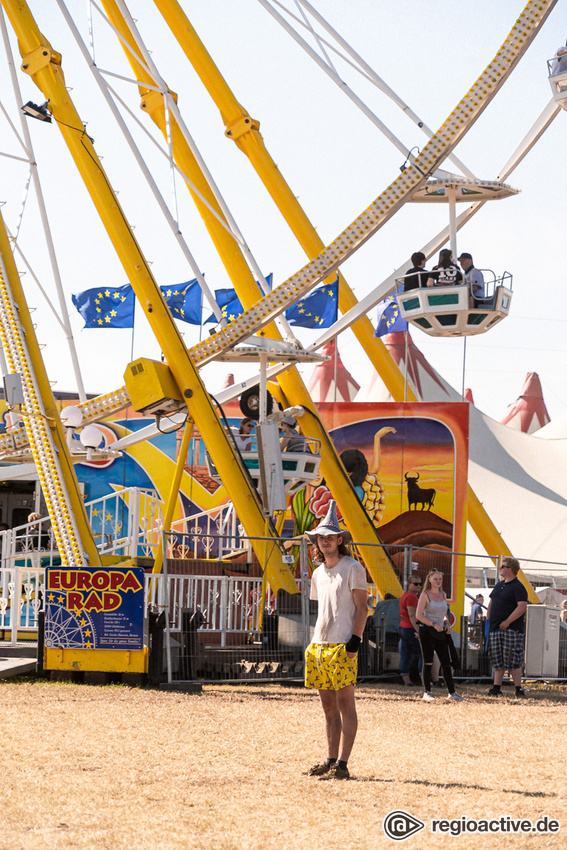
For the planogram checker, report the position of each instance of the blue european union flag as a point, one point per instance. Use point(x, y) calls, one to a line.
point(230, 303)
point(389, 318)
point(106, 306)
point(316, 310)
point(184, 301)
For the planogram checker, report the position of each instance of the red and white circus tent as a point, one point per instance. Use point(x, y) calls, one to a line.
point(427, 384)
point(528, 413)
point(331, 380)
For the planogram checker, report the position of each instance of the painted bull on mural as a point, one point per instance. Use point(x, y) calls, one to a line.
point(417, 495)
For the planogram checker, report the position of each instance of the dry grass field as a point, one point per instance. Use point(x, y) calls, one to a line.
point(117, 767)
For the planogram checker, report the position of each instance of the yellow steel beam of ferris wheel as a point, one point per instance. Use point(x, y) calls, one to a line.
point(245, 131)
point(291, 382)
point(43, 64)
point(69, 521)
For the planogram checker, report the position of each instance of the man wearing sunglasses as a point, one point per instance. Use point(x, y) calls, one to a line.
point(410, 652)
point(506, 615)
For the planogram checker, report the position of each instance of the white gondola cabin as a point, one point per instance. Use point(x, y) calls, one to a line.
point(299, 468)
point(453, 310)
point(557, 70)
point(276, 473)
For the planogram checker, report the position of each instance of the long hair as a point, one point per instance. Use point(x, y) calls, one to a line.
point(427, 582)
point(318, 555)
point(445, 258)
point(242, 424)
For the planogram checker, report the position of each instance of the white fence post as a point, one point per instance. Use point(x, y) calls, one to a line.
point(224, 609)
point(133, 522)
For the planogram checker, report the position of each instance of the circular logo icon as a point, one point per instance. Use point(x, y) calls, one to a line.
point(400, 825)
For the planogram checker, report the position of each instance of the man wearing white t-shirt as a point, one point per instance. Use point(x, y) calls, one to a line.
point(340, 588)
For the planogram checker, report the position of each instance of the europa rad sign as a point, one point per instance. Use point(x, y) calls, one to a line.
point(94, 608)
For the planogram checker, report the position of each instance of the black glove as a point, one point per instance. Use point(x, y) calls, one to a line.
point(353, 644)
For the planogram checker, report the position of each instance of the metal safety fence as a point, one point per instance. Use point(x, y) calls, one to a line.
point(225, 623)
point(26, 551)
point(219, 618)
point(223, 620)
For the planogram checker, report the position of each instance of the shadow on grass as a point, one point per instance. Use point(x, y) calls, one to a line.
point(452, 785)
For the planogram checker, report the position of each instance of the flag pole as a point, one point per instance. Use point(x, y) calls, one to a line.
point(336, 369)
point(132, 337)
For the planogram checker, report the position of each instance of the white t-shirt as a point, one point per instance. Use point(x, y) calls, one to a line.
point(449, 276)
point(332, 588)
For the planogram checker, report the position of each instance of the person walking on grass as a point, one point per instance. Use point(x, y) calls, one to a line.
point(506, 616)
point(339, 585)
point(434, 634)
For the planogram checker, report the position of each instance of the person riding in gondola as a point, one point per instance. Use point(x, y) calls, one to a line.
point(445, 273)
point(417, 276)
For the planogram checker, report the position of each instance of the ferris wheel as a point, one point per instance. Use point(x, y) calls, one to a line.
point(421, 175)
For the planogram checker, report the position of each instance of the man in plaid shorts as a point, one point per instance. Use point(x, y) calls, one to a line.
point(506, 615)
point(340, 588)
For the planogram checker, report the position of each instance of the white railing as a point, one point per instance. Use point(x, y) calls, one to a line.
point(491, 283)
point(127, 522)
point(209, 534)
point(228, 603)
point(20, 591)
point(26, 551)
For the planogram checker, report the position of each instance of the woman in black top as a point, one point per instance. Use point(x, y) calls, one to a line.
point(446, 273)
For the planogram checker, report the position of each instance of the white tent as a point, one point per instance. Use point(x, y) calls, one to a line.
point(556, 430)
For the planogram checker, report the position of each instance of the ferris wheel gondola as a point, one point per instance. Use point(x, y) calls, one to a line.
point(557, 71)
point(455, 310)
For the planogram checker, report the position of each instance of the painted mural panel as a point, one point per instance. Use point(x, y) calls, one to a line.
point(408, 464)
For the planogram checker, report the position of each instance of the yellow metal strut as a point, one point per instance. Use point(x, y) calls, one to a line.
point(69, 522)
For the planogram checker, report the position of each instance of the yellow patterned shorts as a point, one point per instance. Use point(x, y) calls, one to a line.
point(328, 667)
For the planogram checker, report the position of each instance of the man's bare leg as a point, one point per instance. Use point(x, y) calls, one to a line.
point(349, 720)
point(516, 675)
point(333, 726)
point(498, 675)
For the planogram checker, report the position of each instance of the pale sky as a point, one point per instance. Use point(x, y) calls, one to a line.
point(333, 158)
